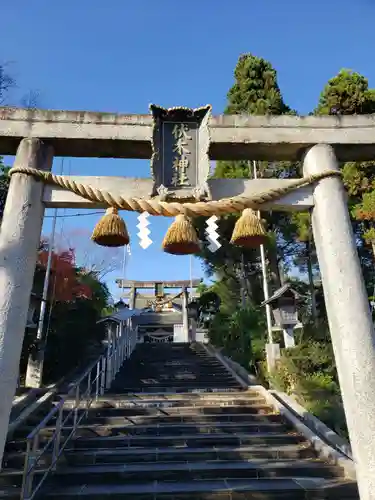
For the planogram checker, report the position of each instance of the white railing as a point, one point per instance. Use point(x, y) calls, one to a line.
point(95, 380)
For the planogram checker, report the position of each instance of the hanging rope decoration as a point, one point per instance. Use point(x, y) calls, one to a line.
point(249, 231)
point(111, 230)
point(181, 237)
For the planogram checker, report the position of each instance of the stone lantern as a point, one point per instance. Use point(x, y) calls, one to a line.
point(193, 310)
point(284, 308)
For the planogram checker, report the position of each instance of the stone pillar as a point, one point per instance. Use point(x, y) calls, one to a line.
point(193, 325)
point(127, 340)
point(110, 347)
point(349, 317)
point(289, 337)
point(19, 242)
point(121, 334)
point(185, 319)
point(133, 295)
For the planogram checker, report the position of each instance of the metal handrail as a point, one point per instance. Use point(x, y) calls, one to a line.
point(85, 389)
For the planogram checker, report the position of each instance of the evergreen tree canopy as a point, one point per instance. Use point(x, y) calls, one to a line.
point(255, 90)
point(346, 94)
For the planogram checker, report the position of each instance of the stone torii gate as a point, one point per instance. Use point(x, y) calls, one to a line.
point(35, 136)
point(159, 287)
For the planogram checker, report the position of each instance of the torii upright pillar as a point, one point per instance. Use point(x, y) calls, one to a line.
point(348, 311)
point(19, 241)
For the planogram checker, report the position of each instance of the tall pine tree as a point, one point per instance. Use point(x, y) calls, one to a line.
point(255, 92)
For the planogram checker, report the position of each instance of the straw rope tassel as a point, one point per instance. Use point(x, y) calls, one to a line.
point(249, 231)
point(181, 237)
point(111, 230)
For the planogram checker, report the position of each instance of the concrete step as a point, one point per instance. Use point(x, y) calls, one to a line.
point(177, 367)
point(176, 440)
point(194, 388)
point(119, 399)
point(177, 425)
point(127, 455)
point(168, 402)
point(177, 362)
point(241, 489)
point(182, 471)
point(94, 413)
point(167, 429)
point(118, 416)
point(197, 440)
point(175, 454)
point(177, 378)
point(170, 420)
point(137, 385)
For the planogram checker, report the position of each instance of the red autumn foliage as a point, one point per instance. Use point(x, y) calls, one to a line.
point(361, 214)
point(64, 278)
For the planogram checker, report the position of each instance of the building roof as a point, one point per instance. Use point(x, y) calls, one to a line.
point(121, 315)
point(280, 292)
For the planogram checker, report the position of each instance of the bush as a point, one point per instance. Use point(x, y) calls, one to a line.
point(308, 373)
point(240, 334)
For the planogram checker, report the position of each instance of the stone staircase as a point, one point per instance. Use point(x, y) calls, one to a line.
point(177, 425)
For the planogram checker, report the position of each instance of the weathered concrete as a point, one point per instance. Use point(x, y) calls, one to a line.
point(348, 311)
point(92, 134)
point(324, 450)
point(339, 443)
point(19, 241)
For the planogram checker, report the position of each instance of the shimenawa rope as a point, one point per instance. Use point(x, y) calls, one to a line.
point(156, 207)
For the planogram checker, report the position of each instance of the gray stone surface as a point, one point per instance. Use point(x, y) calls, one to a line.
point(19, 240)
point(91, 134)
point(348, 312)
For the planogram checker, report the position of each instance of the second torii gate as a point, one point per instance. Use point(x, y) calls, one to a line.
point(159, 295)
point(35, 136)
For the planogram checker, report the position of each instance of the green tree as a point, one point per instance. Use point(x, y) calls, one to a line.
point(255, 91)
point(76, 301)
point(99, 290)
point(346, 94)
point(305, 255)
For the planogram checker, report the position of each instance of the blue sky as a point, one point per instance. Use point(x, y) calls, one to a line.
point(118, 56)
